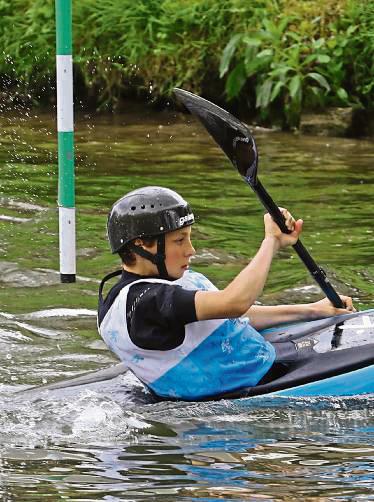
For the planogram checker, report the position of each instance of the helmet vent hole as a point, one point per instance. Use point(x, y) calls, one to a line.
point(133, 208)
point(143, 206)
point(152, 206)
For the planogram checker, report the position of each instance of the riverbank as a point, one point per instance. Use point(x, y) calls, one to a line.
point(269, 61)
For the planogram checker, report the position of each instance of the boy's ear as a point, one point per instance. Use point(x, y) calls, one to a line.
point(140, 242)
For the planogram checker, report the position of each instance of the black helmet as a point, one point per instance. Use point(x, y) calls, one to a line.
point(148, 211)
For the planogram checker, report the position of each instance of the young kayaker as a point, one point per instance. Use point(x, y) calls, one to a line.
point(180, 335)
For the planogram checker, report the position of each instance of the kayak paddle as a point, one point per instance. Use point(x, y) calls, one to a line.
point(238, 144)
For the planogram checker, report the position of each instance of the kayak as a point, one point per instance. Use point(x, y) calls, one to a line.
point(330, 357)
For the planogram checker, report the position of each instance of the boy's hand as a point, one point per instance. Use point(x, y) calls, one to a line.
point(324, 308)
point(273, 231)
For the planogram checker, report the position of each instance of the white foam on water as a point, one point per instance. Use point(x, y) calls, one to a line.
point(59, 312)
point(104, 417)
point(14, 219)
point(44, 332)
point(9, 321)
point(24, 206)
point(310, 288)
point(87, 417)
point(7, 335)
point(7, 316)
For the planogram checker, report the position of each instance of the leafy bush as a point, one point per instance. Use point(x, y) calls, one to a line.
point(283, 68)
point(27, 36)
point(357, 29)
point(276, 57)
point(295, 59)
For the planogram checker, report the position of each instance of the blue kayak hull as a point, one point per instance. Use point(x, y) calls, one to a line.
point(353, 383)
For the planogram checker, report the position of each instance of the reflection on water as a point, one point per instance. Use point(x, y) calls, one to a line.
point(109, 440)
point(91, 442)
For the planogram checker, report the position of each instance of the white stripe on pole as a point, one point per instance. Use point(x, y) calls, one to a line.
point(65, 118)
point(67, 239)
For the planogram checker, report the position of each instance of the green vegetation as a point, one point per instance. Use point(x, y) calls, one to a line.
point(309, 55)
point(272, 58)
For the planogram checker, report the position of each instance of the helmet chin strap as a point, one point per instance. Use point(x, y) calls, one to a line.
point(157, 259)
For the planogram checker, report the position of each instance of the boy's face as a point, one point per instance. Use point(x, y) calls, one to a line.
point(178, 251)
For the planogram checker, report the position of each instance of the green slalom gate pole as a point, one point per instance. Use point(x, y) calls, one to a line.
point(65, 131)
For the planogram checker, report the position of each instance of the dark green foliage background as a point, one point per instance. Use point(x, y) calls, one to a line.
point(273, 59)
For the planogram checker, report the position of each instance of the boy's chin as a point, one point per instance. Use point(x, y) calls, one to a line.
point(176, 275)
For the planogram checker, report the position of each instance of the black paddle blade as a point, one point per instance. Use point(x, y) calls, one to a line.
point(228, 132)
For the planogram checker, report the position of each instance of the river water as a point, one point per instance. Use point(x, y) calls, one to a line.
point(109, 440)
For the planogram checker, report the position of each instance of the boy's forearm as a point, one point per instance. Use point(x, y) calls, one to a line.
point(249, 283)
point(242, 292)
point(262, 317)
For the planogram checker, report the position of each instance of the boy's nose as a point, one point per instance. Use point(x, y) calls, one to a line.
point(191, 250)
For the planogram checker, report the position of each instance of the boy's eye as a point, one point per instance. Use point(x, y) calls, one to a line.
point(180, 240)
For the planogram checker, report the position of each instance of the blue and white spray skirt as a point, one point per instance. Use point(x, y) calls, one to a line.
point(216, 356)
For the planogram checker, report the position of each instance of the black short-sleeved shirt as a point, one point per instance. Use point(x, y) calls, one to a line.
point(156, 312)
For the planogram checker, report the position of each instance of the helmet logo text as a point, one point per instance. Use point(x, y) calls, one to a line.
point(186, 219)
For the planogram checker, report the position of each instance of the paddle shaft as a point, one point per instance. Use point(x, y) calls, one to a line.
point(239, 146)
point(317, 272)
